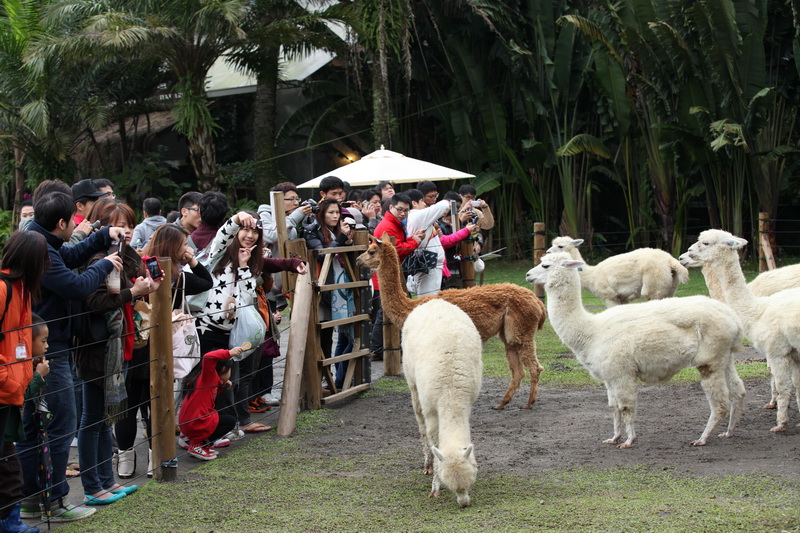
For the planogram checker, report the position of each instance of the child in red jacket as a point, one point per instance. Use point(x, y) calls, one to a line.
point(198, 419)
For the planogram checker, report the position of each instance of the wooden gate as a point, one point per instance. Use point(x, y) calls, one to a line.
point(316, 366)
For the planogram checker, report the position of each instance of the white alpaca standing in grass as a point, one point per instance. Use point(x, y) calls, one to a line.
point(649, 341)
point(772, 323)
point(646, 272)
point(766, 284)
point(442, 363)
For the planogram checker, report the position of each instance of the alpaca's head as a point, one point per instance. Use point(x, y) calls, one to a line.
point(564, 244)
point(699, 252)
point(377, 252)
point(540, 274)
point(457, 470)
point(715, 252)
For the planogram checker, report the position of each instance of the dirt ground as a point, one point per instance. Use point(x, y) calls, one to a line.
point(566, 428)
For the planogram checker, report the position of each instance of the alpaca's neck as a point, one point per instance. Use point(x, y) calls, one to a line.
point(394, 299)
point(565, 310)
point(454, 425)
point(586, 269)
point(725, 266)
point(712, 283)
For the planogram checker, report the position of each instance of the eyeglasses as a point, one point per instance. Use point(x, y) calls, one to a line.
point(295, 199)
point(432, 196)
point(400, 209)
point(468, 196)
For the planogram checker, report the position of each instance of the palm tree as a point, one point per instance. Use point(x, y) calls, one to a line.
point(188, 35)
point(276, 27)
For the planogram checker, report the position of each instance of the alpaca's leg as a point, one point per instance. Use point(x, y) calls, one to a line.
point(612, 403)
point(715, 385)
point(534, 368)
point(517, 374)
point(773, 399)
point(436, 482)
point(782, 374)
point(432, 432)
point(736, 394)
point(625, 396)
point(423, 434)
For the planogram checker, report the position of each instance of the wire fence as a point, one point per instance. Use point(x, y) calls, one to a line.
point(133, 409)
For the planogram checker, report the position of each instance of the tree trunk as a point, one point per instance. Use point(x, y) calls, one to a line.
point(264, 126)
point(202, 154)
point(19, 184)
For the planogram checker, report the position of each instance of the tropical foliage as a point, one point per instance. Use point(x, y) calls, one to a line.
point(630, 122)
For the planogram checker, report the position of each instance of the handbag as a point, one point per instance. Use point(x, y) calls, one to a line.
point(271, 348)
point(248, 326)
point(185, 342)
point(141, 323)
point(420, 261)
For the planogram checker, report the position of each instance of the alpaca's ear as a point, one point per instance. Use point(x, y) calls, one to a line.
point(374, 239)
point(577, 242)
point(573, 263)
point(468, 451)
point(385, 238)
point(437, 453)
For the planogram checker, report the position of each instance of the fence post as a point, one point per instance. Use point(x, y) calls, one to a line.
point(539, 244)
point(766, 259)
point(162, 404)
point(295, 355)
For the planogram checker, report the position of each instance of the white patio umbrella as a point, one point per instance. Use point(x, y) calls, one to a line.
point(385, 165)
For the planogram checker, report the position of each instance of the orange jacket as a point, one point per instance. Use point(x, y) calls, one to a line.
point(15, 375)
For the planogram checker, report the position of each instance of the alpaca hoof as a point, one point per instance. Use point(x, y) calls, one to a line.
point(528, 406)
point(612, 440)
point(699, 442)
point(499, 407)
point(725, 435)
point(770, 405)
point(625, 445)
point(778, 429)
point(428, 470)
point(434, 494)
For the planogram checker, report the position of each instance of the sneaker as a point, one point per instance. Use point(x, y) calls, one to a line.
point(66, 512)
point(236, 434)
point(269, 399)
point(183, 442)
point(258, 406)
point(31, 508)
point(202, 453)
point(221, 443)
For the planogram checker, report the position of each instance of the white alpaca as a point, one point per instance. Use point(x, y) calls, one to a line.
point(646, 272)
point(772, 323)
point(443, 367)
point(766, 284)
point(648, 341)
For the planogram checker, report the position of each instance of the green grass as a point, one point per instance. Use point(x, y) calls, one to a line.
point(274, 484)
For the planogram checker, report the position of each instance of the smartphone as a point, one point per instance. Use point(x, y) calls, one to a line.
point(96, 225)
point(475, 203)
point(121, 245)
point(153, 267)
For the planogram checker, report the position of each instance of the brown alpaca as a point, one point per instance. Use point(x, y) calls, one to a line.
point(512, 312)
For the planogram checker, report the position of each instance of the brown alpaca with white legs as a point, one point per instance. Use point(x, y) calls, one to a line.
point(509, 311)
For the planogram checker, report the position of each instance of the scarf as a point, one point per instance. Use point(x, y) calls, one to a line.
point(114, 380)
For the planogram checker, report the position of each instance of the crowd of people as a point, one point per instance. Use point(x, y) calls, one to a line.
point(72, 359)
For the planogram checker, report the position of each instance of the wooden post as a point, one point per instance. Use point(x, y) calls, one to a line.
point(162, 404)
point(539, 244)
point(391, 348)
point(467, 249)
point(295, 355)
point(766, 261)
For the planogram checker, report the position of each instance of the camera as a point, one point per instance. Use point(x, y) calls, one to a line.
point(475, 203)
point(153, 267)
point(313, 204)
point(259, 223)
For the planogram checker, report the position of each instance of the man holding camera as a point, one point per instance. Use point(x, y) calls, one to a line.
point(479, 208)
